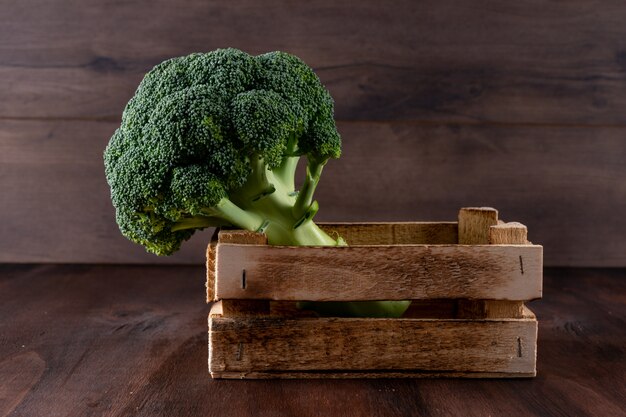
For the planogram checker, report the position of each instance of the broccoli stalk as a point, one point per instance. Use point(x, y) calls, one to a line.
point(214, 139)
point(268, 203)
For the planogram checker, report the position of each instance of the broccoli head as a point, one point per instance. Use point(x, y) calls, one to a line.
point(213, 139)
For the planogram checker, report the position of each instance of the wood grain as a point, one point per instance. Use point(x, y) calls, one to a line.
point(475, 223)
point(479, 225)
point(243, 237)
point(87, 338)
point(53, 187)
point(18, 376)
point(132, 340)
point(240, 308)
point(394, 232)
point(336, 345)
point(543, 178)
point(210, 267)
point(516, 105)
point(55, 201)
point(354, 272)
point(521, 62)
point(512, 233)
point(258, 345)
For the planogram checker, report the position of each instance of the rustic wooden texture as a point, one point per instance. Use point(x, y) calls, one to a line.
point(515, 105)
point(118, 341)
point(245, 341)
point(354, 273)
point(229, 236)
point(53, 187)
point(522, 62)
point(243, 237)
point(55, 201)
point(474, 224)
point(241, 308)
point(210, 267)
point(239, 344)
point(478, 226)
point(394, 233)
point(508, 233)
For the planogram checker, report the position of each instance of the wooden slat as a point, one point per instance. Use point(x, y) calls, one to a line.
point(355, 272)
point(210, 267)
point(369, 374)
point(474, 224)
point(336, 345)
point(55, 202)
point(394, 233)
point(517, 62)
point(243, 237)
point(508, 233)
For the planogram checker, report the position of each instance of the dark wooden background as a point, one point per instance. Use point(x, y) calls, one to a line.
point(441, 104)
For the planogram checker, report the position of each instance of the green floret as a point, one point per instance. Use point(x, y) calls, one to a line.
point(213, 139)
point(264, 122)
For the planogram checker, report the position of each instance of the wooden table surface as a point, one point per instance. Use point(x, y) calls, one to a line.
point(132, 341)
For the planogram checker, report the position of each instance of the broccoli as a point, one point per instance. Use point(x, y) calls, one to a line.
point(214, 139)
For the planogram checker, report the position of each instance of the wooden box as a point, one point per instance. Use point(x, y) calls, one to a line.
point(468, 281)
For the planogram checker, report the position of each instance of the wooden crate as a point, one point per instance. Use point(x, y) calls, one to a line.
point(468, 281)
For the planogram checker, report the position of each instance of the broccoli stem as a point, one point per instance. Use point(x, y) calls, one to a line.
point(225, 213)
point(280, 224)
point(197, 222)
point(286, 172)
point(235, 215)
point(305, 196)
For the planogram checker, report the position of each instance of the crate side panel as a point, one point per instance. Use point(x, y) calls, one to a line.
point(390, 233)
point(501, 272)
point(337, 345)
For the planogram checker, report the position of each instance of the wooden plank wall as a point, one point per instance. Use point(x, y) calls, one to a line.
point(441, 104)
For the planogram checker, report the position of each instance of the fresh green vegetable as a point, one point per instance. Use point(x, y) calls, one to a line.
point(213, 139)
